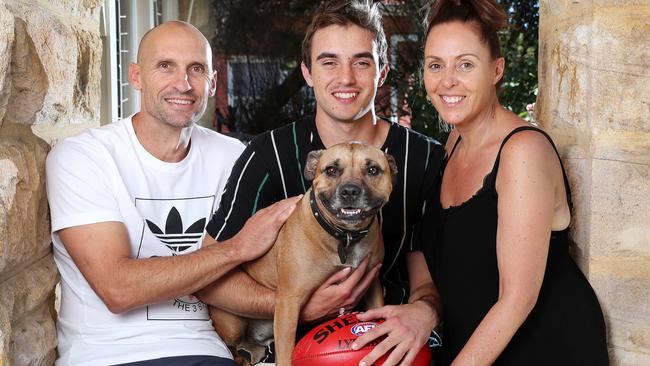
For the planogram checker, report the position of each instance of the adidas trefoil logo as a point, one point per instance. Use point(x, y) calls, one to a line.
point(174, 237)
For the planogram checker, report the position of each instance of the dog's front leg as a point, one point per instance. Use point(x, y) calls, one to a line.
point(230, 327)
point(285, 323)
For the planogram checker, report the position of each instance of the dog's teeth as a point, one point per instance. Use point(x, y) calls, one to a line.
point(350, 211)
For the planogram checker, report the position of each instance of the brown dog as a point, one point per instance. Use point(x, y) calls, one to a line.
point(333, 226)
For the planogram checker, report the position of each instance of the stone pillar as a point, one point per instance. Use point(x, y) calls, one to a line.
point(49, 88)
point(594, 98)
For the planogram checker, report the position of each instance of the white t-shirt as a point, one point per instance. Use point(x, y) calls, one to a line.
point(104, 174)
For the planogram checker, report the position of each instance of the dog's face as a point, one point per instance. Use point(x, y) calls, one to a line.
point(351, 182)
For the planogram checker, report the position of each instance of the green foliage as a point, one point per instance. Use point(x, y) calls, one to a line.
point(519, 47)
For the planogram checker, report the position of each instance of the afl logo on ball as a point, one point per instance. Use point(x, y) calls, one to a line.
point(359, 329)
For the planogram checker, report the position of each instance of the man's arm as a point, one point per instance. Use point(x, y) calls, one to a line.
point(101, 251)
point(249, 188)
point(252, 300)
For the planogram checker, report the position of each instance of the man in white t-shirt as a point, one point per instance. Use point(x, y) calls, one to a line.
point(129, 203)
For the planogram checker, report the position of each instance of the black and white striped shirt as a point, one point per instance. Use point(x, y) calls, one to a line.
point(271, 168)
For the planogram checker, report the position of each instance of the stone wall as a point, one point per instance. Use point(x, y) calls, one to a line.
point(50, 53)
point(594, 83)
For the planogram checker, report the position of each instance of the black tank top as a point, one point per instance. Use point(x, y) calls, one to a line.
point(565, 327)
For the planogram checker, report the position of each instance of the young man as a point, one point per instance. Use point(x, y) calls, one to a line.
point(129, 202)
point(344, 60)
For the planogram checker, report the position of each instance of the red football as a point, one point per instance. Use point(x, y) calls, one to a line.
point(329, 344)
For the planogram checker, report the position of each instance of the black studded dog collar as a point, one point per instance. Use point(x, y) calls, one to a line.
point(345, 237)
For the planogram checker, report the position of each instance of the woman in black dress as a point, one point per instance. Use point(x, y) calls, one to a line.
point(510, 291)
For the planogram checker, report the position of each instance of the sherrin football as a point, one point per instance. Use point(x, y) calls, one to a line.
point(329, 344)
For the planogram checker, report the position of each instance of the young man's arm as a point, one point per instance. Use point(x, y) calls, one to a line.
point(408, 326)
point(239, 294)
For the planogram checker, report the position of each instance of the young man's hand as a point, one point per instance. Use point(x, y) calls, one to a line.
point(407, 329)
point(342, 290)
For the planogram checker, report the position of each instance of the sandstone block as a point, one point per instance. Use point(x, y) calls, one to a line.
point(622, 102)
point(92, 4)
point(87, 89)
point(27, 332)
point(624, 146)
point(630, 331)
point(24, 215)
point(81, 8)
point(565, 78)
point(8, 181)
point(34, 339)
point(64, 57)
point(6, 45)
point(620, 199)
point(561, 12)
point(29, 82)
point(564, 75)
point(27, 317)
point(622, 72)
point(4, 342)
point(26, 290)
point(623, 288)
point(624, 283)
point(572, 143)
point(49, 54)
point(623, 357)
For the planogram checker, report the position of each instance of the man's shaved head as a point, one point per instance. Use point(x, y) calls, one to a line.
point(170, 26)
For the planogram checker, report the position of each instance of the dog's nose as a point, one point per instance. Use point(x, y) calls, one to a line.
point(350, 191)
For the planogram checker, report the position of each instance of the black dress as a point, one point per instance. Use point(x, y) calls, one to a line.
point(565, 327)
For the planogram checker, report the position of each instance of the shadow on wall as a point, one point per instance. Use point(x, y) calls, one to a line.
point(27, 271)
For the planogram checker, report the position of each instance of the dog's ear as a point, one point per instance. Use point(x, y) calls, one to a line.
point(312, 163)
point(393, 166)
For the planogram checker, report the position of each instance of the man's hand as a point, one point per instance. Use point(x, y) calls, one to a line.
point(407, 329)
point(261, 230)
point(343, 289)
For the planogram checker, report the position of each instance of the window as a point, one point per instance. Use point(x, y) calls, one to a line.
point(251, 78)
